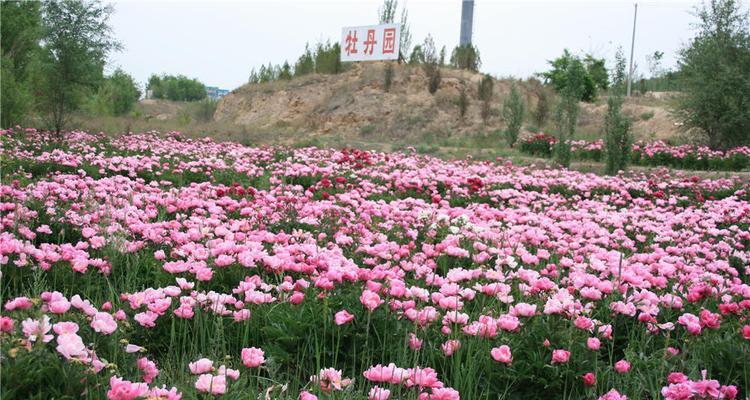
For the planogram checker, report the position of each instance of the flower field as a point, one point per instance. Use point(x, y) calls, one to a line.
point(156, 266)
point(653, 154)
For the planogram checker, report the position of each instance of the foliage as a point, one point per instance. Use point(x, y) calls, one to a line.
point(463, 103)
point(305, 63)
point(205, 109)
point(619, 72)
point(714, 73)
point(485, 92)
point(466, 57)
point(19, 42)
point(118, 94)
point(285, 73)
point(540, 144)
point(388, 73)
point(597, 70)
point(594, 74)
point(576, 84)
point(417, 55)
point(617, 137)
point(430, 64)
point(176, 88)
point(542, 110)
point(513, 112)
point(328, 58)
point(77, 39)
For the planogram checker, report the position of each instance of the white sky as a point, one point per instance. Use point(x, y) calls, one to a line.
point(219, 42)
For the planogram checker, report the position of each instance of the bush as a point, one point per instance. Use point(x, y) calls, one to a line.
point(594, 74)
point(388, 77)
point(538, 145)
point(484, 92)
point(118, 94)
point(205, 109)
point(176, 88)
point(575, 77)
point(435, 79)
point(617, 138)
point(541, 113)
point(513, 110)
point(463, 103)
point(328, 58)
point(430, 64)
point(466, 57)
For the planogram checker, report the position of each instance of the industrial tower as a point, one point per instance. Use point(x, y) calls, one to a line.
point(467, 19)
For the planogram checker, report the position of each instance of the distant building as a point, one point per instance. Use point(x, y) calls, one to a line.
point(214, 93)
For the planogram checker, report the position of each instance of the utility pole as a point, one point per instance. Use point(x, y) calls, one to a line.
point(632, 46)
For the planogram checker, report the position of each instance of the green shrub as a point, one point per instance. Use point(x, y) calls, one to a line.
point(466, 57)
point(484, 93)
point(462, 102)
point(513, 111)
point(647, 115)
point(617, 138)
point(118, 94)
point(176, 88)
point(205, 109)
point(388, 73)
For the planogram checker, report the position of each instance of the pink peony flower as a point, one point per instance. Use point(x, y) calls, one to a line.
point(377, 393)
point(560, 356)
point(253, 357)
point(613, 395)
point(104, 323)
point(208, 383)
point(593, 343)
point(502, 354)
point(589, 379)
point(343, 317)
point(370, 300)
point(622, 366)
point(201, 366)
point(120, 389)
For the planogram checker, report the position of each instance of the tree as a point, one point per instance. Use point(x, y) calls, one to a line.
point(617, 137)
point(574, 76)
point(430, 64)
point(305, 64)
point(596, 68)
point(557, 76)
point(387, 15)
point(542, 108)
point(178, 88)
point(20, 23)
point(286, 72)
point(484, 92)
point(463, 103)
point(654, 64)
point(466, 57)
point(119, 93)
point(513, 111)
point(388, 74)
point(417, 56)
point(77, 39)
point(714, 74)
point(618, 78)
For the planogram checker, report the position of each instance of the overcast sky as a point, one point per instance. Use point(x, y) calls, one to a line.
point(219, 42)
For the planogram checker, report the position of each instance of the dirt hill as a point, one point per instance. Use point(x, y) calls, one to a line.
point(355, 105)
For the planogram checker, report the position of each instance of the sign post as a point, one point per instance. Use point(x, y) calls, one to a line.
point(370, 43)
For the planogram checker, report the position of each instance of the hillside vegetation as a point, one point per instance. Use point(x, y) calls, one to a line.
point(355, 105)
